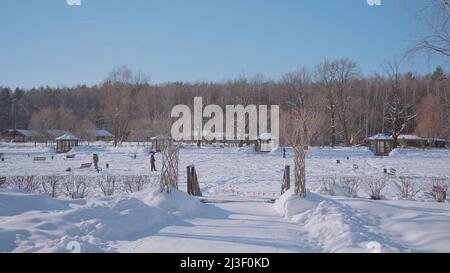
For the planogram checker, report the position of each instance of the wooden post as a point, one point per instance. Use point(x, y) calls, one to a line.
point(196, 186)
point(193, 187)
point(189, 180)
point(286, 185)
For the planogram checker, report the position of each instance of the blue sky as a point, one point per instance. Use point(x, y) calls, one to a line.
point(47, 42)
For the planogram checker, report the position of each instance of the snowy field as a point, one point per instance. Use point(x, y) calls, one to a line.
point(239, 186)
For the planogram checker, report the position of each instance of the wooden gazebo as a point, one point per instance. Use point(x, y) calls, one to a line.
point(265, 142)
point(380, 144)
point(158, 142)
point(66, 142)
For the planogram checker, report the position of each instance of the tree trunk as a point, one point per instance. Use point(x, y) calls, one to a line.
point(300, 171)
point(333, 126)
point(394, 141)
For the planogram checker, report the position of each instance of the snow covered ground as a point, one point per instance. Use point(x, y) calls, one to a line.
point(238, 185)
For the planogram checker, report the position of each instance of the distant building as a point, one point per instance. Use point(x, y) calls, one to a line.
point(19, 135)
point(265, 143)
point(66, 142)
point(380, 144)
point(436, 142)
point(101, 135)
point(53, 134)
point(410, 140)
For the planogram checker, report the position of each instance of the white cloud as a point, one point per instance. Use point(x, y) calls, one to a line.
point(73, 2)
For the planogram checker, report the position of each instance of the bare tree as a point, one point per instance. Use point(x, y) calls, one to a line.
point(398, 111)
point(119, 99)
point(432, 120)
point(326, 76)
point(300, 118)
point(436, 17)
point(346, 71)
point(85, 130)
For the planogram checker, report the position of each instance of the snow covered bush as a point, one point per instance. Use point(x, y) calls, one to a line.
point(328, 185)
point(107, 185)
point(407, 188)
point(25, 183)
point(439, 187)
point(374, 187)
point(50, 185)
point(80, 186)
point(76, 186)
point(350, 185)
point(17, 182)
point(32, 184)
point(134, 183)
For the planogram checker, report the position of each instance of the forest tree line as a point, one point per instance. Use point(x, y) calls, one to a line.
point(346, 105)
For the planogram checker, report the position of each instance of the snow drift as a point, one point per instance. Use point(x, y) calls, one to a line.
point(332, 226)
point(38, 223)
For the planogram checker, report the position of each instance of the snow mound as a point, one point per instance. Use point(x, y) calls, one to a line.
point(177, 202)
point(290, 204)
point(124, 218)
point(17, 202)
point(332, 226)
point(38, 223)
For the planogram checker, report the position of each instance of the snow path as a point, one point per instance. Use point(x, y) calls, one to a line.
point(250, 226)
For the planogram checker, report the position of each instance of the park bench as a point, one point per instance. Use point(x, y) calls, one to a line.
point(2, 181)
point(86, 165)
point(391, 171)
point(39, 158)
point(70, 156)
point(355, 167)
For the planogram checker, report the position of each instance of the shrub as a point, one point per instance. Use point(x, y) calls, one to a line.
point(439, 187)
point(375, 186)
point(108, 185)
point(350, 186)
point(76, 186)
point(328, 185)
point(50, 185)
point(407, 188)
point(134, 183)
